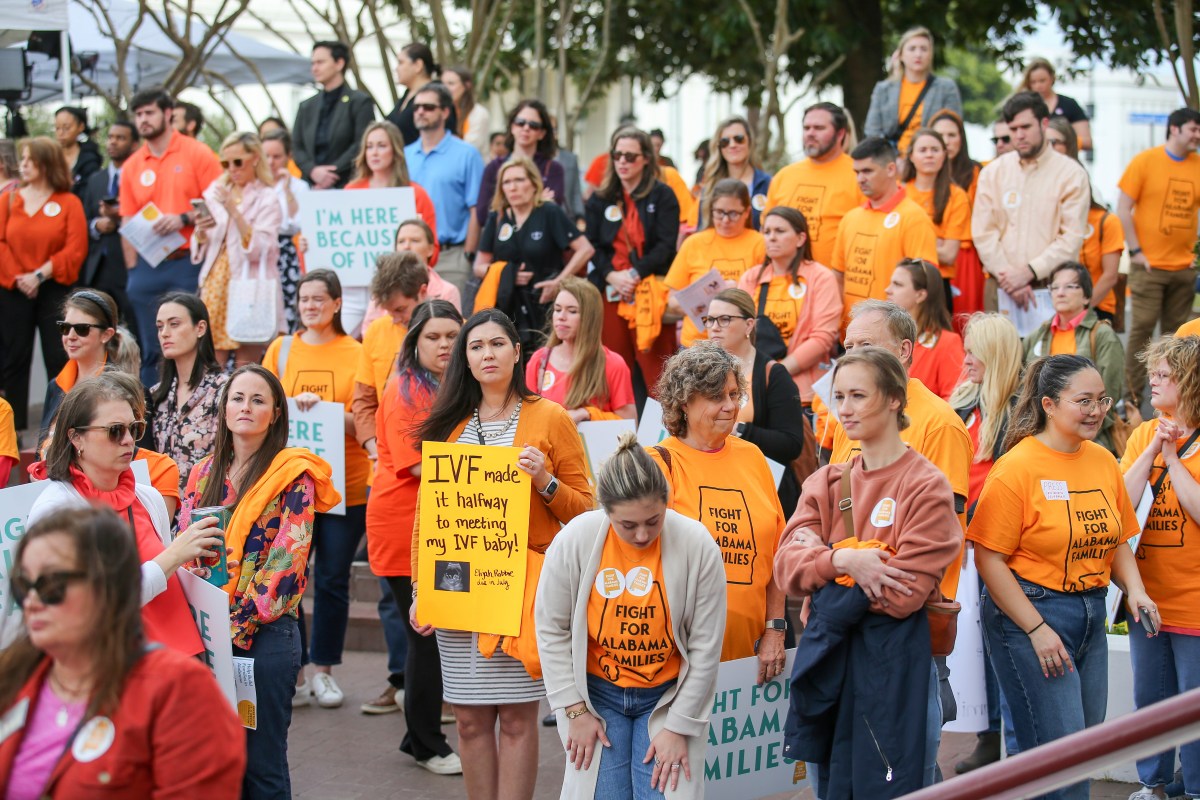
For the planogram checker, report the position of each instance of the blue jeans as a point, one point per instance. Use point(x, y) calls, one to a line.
point(999, 717)
point(1164, 666)
point(146, 285)
point(335, 541)
point(933, 728)
point(626, 714)
point(1045, 709)
point(276, 653)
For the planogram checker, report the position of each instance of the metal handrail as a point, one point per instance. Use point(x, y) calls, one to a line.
point(1073, 758)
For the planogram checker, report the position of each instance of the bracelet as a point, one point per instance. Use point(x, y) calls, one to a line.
point(1034, 628)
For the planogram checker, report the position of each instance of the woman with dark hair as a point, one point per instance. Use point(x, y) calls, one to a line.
point(928, 181)
point(727, 243)
point(1045, 576)
point(798, 295)
point(476, 122)
point(531, 136)
point(483, 400)
point(415, 67)
point(274, 492)
point(937, 358)
point(735, 157)
point(43, 243)
point(144, 720)
point(391, 508)
point(318, 364)
point(90, 338)
point(968, 270)
point(185, 399)
point(83, 155)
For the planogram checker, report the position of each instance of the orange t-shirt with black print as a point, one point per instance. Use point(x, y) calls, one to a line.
point(630, 643)
point(956, 218)
point(733, 494)
point(328, 371)
point(823, 193)
point(909, 92)
point(706, 250)
point(1104, 235)
point(1058, 517)
point(1167, 560)
point(785, 299)
point(1166, 196)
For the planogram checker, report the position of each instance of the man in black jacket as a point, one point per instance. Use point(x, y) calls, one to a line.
point(105, 267)
point(329, 127)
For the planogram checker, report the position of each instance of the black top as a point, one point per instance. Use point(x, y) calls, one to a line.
point(658, 212)
point(88, 161)
point(553, 178)
point(329, 101)
point(1067, 107)
point(402, 118)
point(778, 426)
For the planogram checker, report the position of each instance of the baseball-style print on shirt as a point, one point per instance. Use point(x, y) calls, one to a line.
point(725, 513)
point(629, 621)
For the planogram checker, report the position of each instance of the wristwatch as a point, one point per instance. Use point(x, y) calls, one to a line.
point(579, 712)
point(185, 218)
point(1134, 251)
point(776, 625)
point(551, 487)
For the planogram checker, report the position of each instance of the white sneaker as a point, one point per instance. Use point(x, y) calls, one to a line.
point(443, 765)
point(303, 696)
point(326, 691)
point(1144, 794)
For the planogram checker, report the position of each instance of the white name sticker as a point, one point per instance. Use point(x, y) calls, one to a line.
point(1055, 490)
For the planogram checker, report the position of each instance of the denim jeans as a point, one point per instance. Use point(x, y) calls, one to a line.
point(335, 541)
point(626, 714)
point(1045, 709)
point(146, 285)
point(933, 728)
point(276, 653)
point(999, 717)
point(1164, 666)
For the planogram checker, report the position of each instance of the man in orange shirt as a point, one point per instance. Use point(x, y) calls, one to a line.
point(1157, 204)
point(170, 170)
point(821, 187)
point(880, 233)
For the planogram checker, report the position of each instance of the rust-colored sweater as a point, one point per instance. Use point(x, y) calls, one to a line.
point(907, 505)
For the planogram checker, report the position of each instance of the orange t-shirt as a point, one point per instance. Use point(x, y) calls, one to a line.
point(671, 177)
point(706, 250)
point(57, 232)
point(909, 92)
point(823, 193)
point(1191, 328)
point(326, 370)
point(956, 219)
point(938, 362)
point(164, 472)
point(785, 299)
point(171, 181)
point(630, 643)
point(595, 170)
point(871, 241)
point(1057, 516)
point(733, 494)
point(824, 425)
point(1167, 560)
point(1166, 196)
point(8, 433)
point(1102, 238)
point(393, 499)
point(1062, 343)
point(380, 347)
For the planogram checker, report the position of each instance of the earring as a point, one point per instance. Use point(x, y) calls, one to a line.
point(79, 450)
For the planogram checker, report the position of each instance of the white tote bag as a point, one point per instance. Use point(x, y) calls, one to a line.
point(251, 315)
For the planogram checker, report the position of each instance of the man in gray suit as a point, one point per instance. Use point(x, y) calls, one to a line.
point(330, 126)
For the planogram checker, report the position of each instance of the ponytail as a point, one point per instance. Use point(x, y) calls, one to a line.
point(1046, 377)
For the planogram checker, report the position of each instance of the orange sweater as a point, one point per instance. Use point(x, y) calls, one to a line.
point(57, 232)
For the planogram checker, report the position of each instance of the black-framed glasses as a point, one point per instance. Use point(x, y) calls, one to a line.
point(532, 124)
point(720, 213)
point(236, 162)
point(628, 158)
point(428, 108)
point(117, 431)
point(81, 329)
point(721, 321)
point(739, 138)
point(999, 139)
point(51, 587)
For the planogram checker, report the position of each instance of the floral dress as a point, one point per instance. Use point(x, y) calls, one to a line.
point(187, 434)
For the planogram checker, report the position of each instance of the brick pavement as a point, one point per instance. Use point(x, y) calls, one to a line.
point(342, 754)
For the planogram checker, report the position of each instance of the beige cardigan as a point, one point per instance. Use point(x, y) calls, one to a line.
point(695, 585)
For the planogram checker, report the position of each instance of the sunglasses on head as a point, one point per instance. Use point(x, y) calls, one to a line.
point(628, 158)
point(426, 107)
point(51, 587)
point(117, 431)
point(740, 138)
point(81, 328)
point(532, 124)
point(236, 162)
point(999, 139)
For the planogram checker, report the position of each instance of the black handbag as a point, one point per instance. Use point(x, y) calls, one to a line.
point(895, 134)
point(768, 340)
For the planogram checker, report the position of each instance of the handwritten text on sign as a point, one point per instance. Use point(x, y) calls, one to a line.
point(347, 231)
point(474, 530)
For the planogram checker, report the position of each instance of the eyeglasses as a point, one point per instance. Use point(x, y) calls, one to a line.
point(236, 162)
point(739, 138)
point(999, 139)
point(1160, 376)
point(719, 322)
point(428, 108)
point(628, 158)
point(51, 587)
point(117, 431)
point(1059, 143)
point(81, 328)
point(1065, 287)
point(1088, 405)
point(719, 213)
point(532, 124)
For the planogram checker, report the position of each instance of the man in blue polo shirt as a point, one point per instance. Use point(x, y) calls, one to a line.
point(449, 170)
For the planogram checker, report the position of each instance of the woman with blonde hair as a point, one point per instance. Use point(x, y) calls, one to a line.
point(237, 228)
point(1039, 77)
point(575, 369)
point(912, 94)
point(733, 156)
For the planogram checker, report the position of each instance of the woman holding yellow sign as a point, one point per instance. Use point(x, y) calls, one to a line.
point(483, 400)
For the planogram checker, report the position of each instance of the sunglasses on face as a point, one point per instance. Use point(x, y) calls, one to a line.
point(724, 141)
point(82, 329)
point(117, 431)
point(1001, 139)
point(429, 108)
point(51, 587)
point(532, 124)
point(628, 158)
point(236, 162)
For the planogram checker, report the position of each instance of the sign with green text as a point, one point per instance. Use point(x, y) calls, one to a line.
point(347, 231)
point(322, 429)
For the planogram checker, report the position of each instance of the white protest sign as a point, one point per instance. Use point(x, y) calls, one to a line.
point(15, 503)
point(322, 429)
point(210, 611)
point(745, 735)
point(141, 471)
point(966, 660)
point(695, 297)
point(347, 231)
point(600, 440)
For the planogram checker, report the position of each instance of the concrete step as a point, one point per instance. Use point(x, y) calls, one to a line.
point(364, 631)
point(364, 584)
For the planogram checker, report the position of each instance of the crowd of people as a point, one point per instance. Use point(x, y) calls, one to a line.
point(924, 346)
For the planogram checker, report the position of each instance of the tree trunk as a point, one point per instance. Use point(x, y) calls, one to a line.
point(864, 59)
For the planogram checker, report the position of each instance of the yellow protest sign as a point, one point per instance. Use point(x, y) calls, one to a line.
point(474, 533)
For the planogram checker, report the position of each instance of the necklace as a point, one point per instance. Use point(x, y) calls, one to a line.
point(496, 434)
point(61, 692)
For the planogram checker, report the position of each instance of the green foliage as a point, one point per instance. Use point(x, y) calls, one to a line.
point(980, 82)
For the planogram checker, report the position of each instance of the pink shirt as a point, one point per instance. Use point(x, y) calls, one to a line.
point(555, 384)
point(438, 289)
point(44, 743)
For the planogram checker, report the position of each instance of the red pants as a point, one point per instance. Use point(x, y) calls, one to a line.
point(622, 340)
point(968, 279)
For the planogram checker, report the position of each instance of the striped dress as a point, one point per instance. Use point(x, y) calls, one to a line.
point(468, 678)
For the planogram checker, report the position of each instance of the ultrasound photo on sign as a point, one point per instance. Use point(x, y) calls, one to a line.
point(451, 576)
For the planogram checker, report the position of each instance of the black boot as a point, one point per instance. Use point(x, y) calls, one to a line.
point(987, 751)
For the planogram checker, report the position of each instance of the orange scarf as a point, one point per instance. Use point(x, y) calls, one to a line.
point(853, 543)
point(646, 311)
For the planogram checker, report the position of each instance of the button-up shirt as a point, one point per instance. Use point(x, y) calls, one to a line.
point(450, 173)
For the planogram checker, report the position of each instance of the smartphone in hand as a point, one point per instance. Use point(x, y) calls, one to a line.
point(1147, 621)
point(200, 207)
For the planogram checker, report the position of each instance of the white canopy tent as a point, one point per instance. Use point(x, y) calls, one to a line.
point(21, 17)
